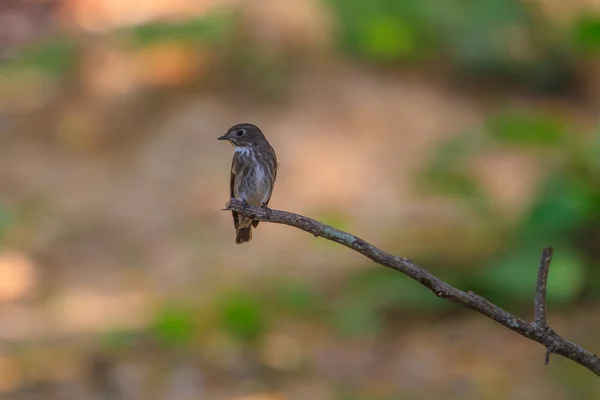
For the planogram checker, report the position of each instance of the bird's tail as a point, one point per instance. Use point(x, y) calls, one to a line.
point(244, 230)
point(243, 235)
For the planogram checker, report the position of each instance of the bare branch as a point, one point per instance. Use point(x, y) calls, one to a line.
point(532, 330)
point(540, 296)
point(540, 288)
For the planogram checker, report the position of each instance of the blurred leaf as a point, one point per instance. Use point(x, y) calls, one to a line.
point(592, 152)
point(119, 339)
point(6, 220)
point(383, 30)
point(524, 129)
point(298, 298)
point(388, 39)
point(460, 183)
point(55, 56)
point(242, 316)
point(585, 33)
point(478, 32)
point(504, 39)
point(356, 318)
point(514, 277)
point(213, 28)
point(593, 280)
point(383, 288)
point(567, 276)
point(457, 148)
point(173, 326)
point(562, 205)
point(263, 73)
point(507, 41)
point(448, 172)
point(575, 384)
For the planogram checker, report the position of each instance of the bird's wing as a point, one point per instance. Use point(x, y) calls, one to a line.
point(255, 222)
point(275, 167)
point(231, 183)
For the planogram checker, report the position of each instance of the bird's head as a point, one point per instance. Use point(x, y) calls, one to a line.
point(244, 135)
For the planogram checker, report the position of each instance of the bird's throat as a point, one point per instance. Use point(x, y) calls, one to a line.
point(242, 150)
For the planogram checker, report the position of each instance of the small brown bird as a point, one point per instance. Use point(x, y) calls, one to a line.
point(253, 173)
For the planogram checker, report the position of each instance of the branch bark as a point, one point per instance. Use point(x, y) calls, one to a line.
point(540, 289)
point(540, 308)
point(537, 330)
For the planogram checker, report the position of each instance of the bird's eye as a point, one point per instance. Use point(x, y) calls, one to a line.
point(240, 132)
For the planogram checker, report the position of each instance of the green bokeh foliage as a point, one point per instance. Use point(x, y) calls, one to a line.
point(497, 39)
point(564, 211)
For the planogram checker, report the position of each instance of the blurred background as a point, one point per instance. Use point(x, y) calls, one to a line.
point(463, 135)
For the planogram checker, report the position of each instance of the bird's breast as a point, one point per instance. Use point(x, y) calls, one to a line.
point(254, 180)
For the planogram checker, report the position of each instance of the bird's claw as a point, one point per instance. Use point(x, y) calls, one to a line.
point(244, 205)
point(267, 209)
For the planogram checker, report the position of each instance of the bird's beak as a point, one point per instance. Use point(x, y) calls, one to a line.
point(224, 137)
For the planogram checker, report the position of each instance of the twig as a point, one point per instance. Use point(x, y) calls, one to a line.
point(531, 330)
point(540, 288)
point(540, 296)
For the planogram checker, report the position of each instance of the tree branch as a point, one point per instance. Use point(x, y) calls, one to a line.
point(538, 330)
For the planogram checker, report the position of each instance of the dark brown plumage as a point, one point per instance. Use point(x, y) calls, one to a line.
point(253, 173)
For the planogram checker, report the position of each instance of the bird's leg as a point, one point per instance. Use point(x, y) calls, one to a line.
point(245, 207)
point(267, 209)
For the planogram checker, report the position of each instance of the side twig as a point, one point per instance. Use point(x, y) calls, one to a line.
point(538, 330)
point(540, 288)
point(540, 308)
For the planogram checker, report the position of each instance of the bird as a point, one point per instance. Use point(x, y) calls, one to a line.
point(253, 174)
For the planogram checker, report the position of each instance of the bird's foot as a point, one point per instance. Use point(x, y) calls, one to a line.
point(245, 209)
point(267, 209)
